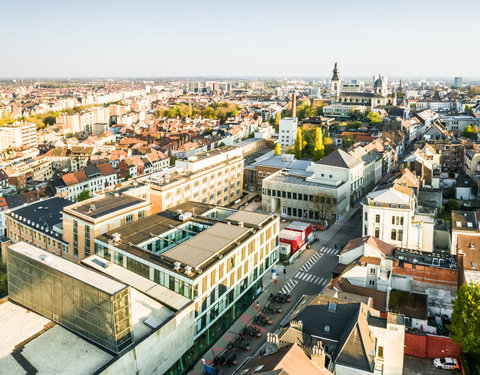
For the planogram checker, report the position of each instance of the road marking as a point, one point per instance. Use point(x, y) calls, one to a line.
point(287, 288)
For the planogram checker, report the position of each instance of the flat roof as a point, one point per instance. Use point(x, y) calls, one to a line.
point(156, 291)
point(249, 217)
point(104, 205)
point(200, 248)
point(39, 340)
point(69, 268)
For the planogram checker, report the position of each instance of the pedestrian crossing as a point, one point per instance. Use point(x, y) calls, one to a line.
point(329, 250)
point(310, 262)
point(287, 288)
point(309, 278)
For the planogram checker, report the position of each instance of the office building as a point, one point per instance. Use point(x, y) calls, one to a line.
point(87, 321)
point(214, 177)
point(214, 256)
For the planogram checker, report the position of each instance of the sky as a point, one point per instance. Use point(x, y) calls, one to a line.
point(147, 38)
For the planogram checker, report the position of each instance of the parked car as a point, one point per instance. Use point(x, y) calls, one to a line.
point(446, 363)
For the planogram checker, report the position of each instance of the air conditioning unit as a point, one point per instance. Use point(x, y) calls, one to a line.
point(185, 216)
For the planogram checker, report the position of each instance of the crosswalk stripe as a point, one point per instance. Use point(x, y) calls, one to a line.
point(309, 278)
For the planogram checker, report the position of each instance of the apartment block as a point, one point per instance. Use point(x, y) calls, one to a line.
point(18, 136)
point(214, 177)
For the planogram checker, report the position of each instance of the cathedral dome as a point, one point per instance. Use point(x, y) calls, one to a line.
point(378, 82)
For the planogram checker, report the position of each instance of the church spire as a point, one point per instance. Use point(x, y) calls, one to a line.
point(335, 76)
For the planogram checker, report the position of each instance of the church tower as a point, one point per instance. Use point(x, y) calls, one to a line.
point(335, 86)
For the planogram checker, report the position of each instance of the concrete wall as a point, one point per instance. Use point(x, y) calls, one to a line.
point(159, 351)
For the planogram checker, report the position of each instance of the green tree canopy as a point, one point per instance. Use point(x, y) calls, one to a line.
point(208, 112)
point(329, 146)
point(298, 144)
point(465, 327)
point(277, 150)
point(83, 195)
point(374, 118)
point(319, 148)
point(6, 119)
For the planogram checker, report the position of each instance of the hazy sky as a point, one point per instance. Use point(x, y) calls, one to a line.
point(239, 38)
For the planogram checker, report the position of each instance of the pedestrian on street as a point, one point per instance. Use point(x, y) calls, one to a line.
point(335, 246)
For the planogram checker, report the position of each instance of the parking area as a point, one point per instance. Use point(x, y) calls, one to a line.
point(420, 366)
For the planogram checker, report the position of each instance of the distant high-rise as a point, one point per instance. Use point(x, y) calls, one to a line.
point(457, 81)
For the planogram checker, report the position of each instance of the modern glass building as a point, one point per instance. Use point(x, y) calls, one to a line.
point(75, 297)
point(216, 258)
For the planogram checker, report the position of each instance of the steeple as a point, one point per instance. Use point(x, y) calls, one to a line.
point(335, 84)
point(335, 76)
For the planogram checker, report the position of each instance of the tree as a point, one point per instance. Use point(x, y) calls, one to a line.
point(451, 205)
point(208, 112)
point(83, 195)
point(6, 119)
point(251, 135)
point(277, 150)
point(348, 141)
point(172, 160)
point(329, 146)
point(475, 90)
point(323, 205)
point(319, 148)
point(3, 280)
point(221, 144)
point(127, 177)
point(50, 120)
point(374, 118)
point(470, 131)
point(465, 320)
point(278, 117)
point(298, 144)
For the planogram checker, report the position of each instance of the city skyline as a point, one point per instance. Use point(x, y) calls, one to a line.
point(213, 39)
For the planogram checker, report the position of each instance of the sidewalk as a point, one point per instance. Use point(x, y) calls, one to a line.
point(268, 287)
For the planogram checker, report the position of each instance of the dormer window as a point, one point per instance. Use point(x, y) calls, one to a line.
point(332, 306)
point(326, 328)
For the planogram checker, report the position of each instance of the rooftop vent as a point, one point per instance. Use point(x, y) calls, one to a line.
point(188, 270)
point(116, 237)
point(91, 208)
point(185, 216)
point(176, 266)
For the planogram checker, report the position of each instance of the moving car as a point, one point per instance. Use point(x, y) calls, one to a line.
point(446, 363)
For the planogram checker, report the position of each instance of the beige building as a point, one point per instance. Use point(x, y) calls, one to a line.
point(214, 177)
point(39, 224)
point(18, 136)
point(84, 221)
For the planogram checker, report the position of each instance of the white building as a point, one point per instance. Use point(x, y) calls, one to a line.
point(393, 216)
point(287, 131)
point(18, 136)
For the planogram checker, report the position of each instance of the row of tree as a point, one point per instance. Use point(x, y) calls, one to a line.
point(312, 142)
point(305, 109)
point(220, 111)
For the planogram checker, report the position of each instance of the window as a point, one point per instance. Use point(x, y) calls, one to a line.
point(373, 271)
point(75, 238)
point(366, 216)
point(141, 214)
point(377, 218)
point(327, 328)
point(129, 219)
point(380, 352)
point(400, 235)
point(371, 282)
point(394, 235)
point(87, 240)
point(377, 232)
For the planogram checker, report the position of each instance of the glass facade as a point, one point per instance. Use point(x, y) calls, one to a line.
point(86, 310)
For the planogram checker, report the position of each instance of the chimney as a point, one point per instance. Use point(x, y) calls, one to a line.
point(272, 344)
point(294, 104)
point(298, 324)
point(317, 355)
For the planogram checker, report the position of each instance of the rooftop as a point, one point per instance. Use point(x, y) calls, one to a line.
point(68, 268)
point(39, 340)
point(165, 296)
point(104, 205)
point(42, 215)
